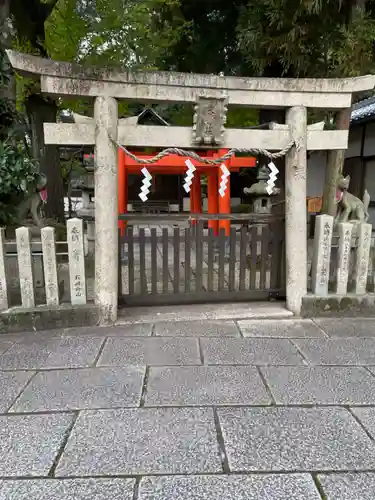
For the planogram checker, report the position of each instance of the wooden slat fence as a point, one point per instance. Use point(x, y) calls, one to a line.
point(183, 261)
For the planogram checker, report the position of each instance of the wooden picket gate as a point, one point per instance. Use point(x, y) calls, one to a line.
point(174, 258)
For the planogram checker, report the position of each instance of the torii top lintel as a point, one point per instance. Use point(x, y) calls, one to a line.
point(154, 86)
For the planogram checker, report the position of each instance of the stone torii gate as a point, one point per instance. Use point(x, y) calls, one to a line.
point(211, 94)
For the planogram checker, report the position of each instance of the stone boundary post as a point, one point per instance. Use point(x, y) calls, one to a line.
point(50, 266)
point(25, 267)
point(322, 254)
point(3, 281)
point(77, 273)
point(343, 257)
point(362, 258)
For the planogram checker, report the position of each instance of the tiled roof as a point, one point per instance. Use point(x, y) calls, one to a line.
point(363, 110)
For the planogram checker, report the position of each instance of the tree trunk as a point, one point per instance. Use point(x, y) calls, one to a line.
point(335, 165)
point(5, 25)
point(335, 161)
point(41, 110)
point(8, 91)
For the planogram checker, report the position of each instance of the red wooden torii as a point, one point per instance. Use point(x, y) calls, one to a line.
point(174, 164)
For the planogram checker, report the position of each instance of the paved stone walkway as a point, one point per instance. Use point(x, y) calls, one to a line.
point(207, 409)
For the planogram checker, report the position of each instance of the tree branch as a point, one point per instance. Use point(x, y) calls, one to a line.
point(51, 5)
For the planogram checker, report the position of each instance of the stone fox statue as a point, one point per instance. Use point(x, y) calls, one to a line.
point(350, 208)
point(33, 197)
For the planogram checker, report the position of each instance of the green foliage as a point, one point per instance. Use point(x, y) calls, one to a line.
point(354, 55)
point(209, 42)
point(242, 117)
point(17, 171)
point(16, 168)
point(128, 34)
point(306, 37)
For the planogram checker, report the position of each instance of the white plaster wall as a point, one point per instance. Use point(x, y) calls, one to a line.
point(370, 186)
point(186, 203)
point(371, 220)
point(355, 143)
point(316, 171)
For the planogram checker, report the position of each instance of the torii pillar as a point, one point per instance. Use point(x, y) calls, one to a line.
point(106, 207)
point(295, 211)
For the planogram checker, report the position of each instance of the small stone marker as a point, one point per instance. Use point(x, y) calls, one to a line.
point(76, 261)
point(25, 267)
point(50, 266)
point(3, 280)
point(322, 254)
point(362, 258)
point(343, 260)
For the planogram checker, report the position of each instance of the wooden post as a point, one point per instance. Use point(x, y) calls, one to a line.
point(335, 162)
point(224, 205)
point(106, 207)
point(196, 188)
point(196, 196)
point(295, 211)
point(213, 198)
point(122, 189)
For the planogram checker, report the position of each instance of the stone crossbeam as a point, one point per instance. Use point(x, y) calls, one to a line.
point(33, 65)
point(154, 86)
point(71, 134)
point(184, 94)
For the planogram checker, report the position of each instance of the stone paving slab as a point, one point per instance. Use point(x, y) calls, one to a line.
point(295, 439)
point(205, 328)
point(142, 441)
point(367, 418)
point(29, 444)
point(5, 344)
point(359, 486)
point(280, 328)
point(68, 489)
point(320, 385)
point(150, 351)
point(346, 351)
point(54, 353)
point(348, 327)
point(87, 388)
point(11, 384)
point(255, 487)
point(206, 385)
point(74, 352)
point(27, 354)
point(135, 330)
point(250, 352)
